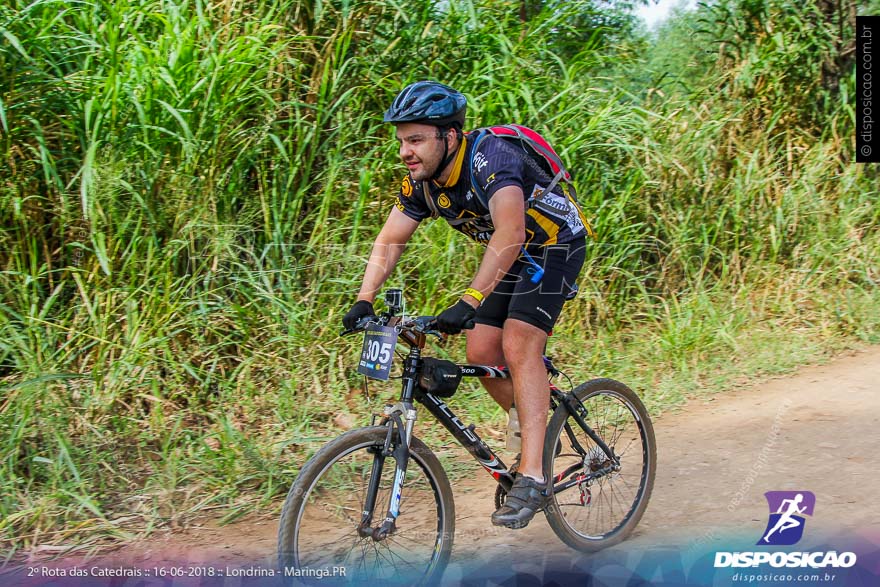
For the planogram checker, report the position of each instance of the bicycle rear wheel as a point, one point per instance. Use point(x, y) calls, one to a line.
point(319, 522)
point(600, 512)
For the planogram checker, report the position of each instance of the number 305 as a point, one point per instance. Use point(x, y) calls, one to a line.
point(379, 352)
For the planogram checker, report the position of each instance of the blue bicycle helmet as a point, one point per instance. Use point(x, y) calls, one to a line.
point(429, 103)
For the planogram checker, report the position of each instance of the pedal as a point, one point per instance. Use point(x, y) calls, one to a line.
point(500, 497)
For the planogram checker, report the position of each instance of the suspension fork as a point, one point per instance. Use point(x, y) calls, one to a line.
point(400, 419)
point(400, 430)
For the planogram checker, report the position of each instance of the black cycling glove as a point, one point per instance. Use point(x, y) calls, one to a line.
point(452, 320)
point(360, 309)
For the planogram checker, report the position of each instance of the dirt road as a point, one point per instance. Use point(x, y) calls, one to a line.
point(816, 431)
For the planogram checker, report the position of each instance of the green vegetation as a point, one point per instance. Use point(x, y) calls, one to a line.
point(189, 190)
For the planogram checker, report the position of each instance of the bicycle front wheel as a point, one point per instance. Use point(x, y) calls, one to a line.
point(604, 502)
point(319, 523)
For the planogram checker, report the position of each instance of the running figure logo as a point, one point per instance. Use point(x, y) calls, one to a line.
point(786, 524)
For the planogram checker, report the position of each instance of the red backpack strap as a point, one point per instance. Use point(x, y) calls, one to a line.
point(538, 143)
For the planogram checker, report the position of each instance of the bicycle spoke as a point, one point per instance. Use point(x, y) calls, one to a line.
point(625, 482)
point(400, 536)
point(389, 557)
point(398, 556)
point(396, 540)
point(626, 448)
point(609, 500)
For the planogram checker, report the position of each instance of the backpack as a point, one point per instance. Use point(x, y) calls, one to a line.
point(537, 145)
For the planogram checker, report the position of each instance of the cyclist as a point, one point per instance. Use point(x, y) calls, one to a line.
point(513, 311)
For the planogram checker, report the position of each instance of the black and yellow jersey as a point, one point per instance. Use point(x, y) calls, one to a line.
point(497, 163)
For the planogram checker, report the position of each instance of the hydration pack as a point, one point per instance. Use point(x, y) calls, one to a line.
point(537, 145)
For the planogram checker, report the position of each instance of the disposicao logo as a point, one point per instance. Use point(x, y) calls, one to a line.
point(784, 528)
point(786, 524)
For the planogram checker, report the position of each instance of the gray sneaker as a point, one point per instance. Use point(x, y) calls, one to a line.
point(525, 499)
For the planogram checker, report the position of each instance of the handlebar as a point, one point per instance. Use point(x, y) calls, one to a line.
point(419, 324)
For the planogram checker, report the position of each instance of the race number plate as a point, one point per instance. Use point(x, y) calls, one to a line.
point(378, 352)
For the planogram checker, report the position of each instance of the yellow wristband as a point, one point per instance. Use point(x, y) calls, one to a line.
point(474, 293)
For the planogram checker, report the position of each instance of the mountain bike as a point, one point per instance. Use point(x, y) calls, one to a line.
point(377, 503)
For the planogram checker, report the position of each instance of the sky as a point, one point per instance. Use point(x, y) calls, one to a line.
point(654, 14)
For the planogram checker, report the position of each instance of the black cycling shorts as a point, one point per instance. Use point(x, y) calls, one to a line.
point(538, 304)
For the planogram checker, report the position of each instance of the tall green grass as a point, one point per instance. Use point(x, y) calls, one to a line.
point(190, 189)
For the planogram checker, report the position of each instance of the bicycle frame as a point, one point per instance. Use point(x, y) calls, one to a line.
point(465, 435)
point(483, 454)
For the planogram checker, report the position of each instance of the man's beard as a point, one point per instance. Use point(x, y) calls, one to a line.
point(428, 170)
point(425, 173)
